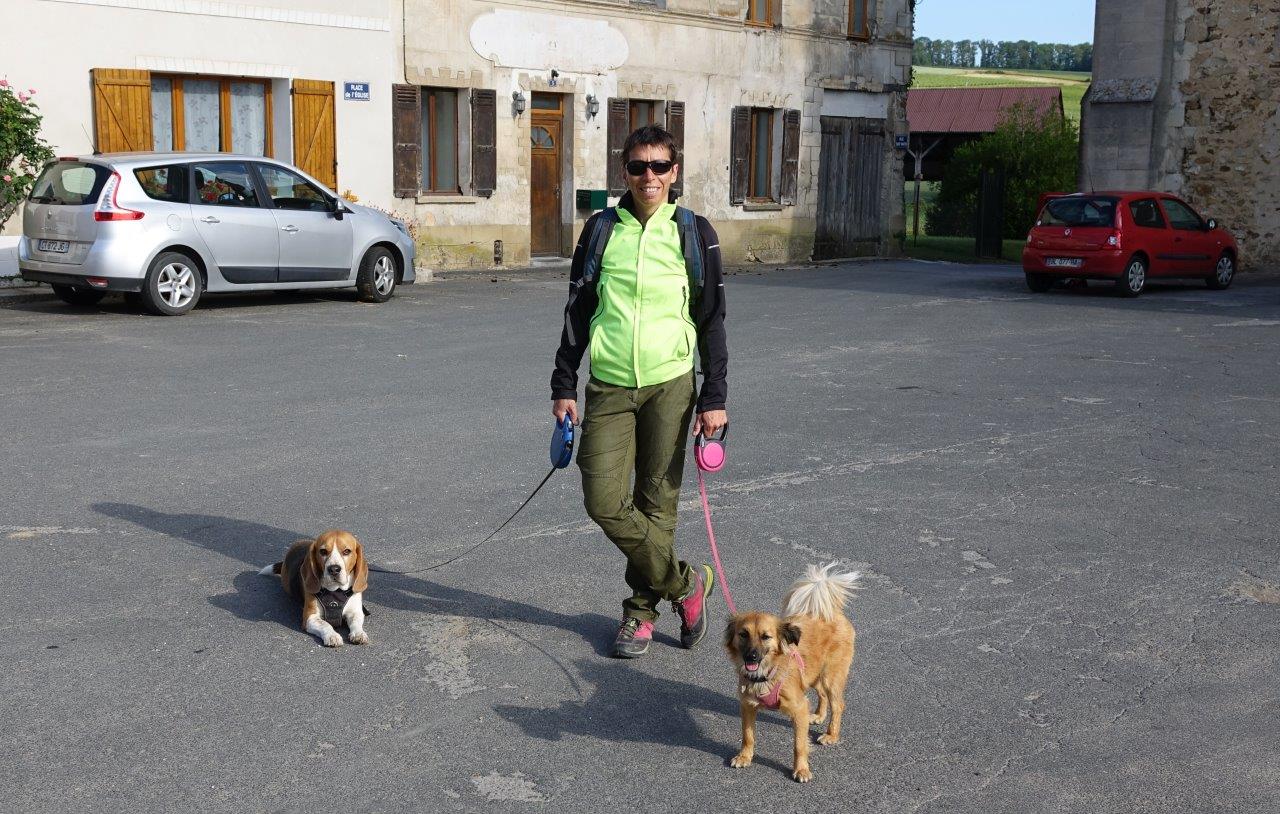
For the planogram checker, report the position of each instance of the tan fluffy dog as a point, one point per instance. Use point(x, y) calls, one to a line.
point(329, 575)
point(779, 660)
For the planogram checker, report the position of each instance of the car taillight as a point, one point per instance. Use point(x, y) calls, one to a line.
point(107, 208)
point(1113, 240)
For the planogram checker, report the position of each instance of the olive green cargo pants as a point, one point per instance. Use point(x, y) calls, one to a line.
point(642, 432)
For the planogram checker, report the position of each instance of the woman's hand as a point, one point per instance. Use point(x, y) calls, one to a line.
point(559, 407)
point(710, 422)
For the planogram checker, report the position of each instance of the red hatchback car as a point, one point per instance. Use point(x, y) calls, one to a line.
point(1126, 237)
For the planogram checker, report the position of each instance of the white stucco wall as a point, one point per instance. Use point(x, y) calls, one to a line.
point(52, 45)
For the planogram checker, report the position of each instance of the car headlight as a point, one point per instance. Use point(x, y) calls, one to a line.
point(399, 224)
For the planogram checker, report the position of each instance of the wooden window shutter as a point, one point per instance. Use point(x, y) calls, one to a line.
point(790, 156)
point(675, 125)
point(315, 149)
point(740, 154)
point(484, 142)
point(121, 110)
point(406, 137)
point(619, 120)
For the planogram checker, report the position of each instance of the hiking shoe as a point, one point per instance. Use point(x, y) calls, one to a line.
point(692, 610)
point(634, 637)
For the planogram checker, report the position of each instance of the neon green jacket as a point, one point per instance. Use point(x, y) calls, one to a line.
point(641, 332)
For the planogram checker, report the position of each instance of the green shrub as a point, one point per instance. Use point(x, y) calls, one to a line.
point(22, 151)
point(1038, 153)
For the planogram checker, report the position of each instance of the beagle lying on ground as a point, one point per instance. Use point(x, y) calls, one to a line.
point(329, 575)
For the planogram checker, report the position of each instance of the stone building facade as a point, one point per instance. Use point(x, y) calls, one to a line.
point(525, 104)
point(1186, 99)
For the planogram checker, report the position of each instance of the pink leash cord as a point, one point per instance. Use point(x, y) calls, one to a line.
point(715, 553)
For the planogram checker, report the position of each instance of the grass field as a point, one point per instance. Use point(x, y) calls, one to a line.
point(958, 250)
point(1073, 83)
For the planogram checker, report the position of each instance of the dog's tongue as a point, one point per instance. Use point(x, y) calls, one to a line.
point(752, 667)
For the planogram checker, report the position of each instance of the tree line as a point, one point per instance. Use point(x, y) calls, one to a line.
point(1022, 54)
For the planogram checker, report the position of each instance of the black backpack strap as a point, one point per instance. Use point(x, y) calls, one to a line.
point(596, 241)
point(691, 247)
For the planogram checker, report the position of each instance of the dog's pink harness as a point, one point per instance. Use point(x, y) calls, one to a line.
point(773, 697)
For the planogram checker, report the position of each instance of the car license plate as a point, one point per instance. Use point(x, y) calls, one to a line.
point(1063, 262)
point(60, 246)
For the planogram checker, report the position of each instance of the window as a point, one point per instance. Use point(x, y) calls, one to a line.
point(439, 140)
point(760, 185)
point(644, 112)
point(1182, 216)
point(1146, 213)
point(762, 12)
point(861, 13)
point(1079, 212)
point(288, 190)
point(211, 114)
point(225, 183)
point(164, 183)
point(70, 183)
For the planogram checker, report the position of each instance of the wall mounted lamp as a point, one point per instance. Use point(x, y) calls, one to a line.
point(517, 102)
point(593, 105)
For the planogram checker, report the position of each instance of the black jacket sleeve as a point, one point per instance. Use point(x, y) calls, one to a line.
point(577, 318)
point(713, 348)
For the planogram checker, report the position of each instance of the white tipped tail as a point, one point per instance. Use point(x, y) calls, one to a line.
point(820, 592)
point(273, 568)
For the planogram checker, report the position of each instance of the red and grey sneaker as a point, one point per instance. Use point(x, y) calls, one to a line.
point(692, 609)
point(634, 638)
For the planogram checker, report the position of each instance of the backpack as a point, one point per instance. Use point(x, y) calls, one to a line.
point(690, 247)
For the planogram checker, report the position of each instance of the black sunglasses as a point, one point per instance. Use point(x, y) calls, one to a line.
point(638, 167)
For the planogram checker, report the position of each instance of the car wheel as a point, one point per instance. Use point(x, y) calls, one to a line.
point(1134, 278)
point(172, 286)
point(77, 295)
point(1039, 283)
point(1222, 274)
point(376, 280)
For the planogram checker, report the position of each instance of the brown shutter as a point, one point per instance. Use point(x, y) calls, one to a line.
point(740, 154)
point(314, 136)
point(484, 142)
point(675, 125)
point(121, 110)
point(790, 156)
point(406, 139)
point(618, 123)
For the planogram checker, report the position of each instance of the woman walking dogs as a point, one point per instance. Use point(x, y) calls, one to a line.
point(645, 290)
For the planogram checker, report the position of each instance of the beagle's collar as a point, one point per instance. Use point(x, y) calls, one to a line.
point(773, 697)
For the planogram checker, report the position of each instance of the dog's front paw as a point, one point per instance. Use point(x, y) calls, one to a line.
point(359, 637)
point(817, 719)
point(802, 775)
point(828, 740)
point(741, 760)
point(332, 639)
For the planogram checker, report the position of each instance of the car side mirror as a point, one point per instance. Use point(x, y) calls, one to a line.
point(339, 211)
point(1213, 224)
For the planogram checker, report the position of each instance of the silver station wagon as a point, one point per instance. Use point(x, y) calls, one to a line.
point(166, 227)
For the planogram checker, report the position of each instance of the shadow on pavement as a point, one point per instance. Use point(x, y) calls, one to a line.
point(257, 545)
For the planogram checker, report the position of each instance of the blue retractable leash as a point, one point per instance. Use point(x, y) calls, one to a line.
point(561, 455)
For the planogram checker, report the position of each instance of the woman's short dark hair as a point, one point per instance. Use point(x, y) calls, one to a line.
point(651, 135)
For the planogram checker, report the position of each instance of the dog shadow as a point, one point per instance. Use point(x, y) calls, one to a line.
point(667, 716)
point(257, 598)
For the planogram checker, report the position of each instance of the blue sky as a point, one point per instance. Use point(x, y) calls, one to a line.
point(1065, 21)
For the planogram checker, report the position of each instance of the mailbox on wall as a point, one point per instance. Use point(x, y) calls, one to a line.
point(592, 198)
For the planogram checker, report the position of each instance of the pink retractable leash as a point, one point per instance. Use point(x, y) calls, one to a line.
point(709, 454)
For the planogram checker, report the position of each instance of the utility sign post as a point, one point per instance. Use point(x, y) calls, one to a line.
point(355, 91)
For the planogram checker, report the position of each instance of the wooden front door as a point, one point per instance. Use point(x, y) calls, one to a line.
point(850, 168)
point(545, 128)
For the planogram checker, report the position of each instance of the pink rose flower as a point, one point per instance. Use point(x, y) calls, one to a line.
point(4, 83)
point(22, 97)
point(31, 91)
point(8, 178)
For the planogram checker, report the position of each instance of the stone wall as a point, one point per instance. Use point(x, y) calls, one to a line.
point(1224, 136)
point(1186, 99)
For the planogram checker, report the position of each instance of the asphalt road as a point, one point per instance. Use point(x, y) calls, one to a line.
point(1064, 506)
